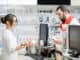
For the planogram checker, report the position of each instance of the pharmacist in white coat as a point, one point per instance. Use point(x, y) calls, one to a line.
point(10, 48)
point(64, 14)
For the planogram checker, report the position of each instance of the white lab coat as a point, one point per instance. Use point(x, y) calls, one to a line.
point(9, 46)
point(74, 22)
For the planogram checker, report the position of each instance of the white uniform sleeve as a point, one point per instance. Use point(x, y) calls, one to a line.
point(74, 22)
point(8, 40)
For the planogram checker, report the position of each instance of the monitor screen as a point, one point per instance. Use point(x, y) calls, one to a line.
point(43, 35)
point(54, 2)
point(74, 37)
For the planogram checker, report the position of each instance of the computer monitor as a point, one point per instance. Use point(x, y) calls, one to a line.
point(74, 37)
point(43, 33)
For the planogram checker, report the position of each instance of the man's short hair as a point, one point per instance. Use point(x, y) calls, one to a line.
point(63, 8)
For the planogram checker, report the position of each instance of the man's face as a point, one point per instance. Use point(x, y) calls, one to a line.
point(61, 15)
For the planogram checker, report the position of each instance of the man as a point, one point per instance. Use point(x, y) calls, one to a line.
point(66, 18)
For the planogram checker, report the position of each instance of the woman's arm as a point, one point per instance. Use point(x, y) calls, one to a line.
point(9, 41)
point(23, 46)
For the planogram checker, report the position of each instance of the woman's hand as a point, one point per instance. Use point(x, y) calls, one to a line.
point(21, 46)
point(28, 44)
point(25, 44)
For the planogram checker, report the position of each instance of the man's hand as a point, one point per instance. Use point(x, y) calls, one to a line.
point(57, 40)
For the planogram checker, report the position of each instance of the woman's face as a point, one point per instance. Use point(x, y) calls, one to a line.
point(13, 24)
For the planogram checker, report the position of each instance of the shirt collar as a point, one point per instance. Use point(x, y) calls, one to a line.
point(68, 20)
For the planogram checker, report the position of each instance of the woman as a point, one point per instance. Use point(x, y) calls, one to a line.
point(9, 40)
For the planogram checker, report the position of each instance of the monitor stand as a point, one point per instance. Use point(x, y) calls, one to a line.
point(74, 54)
point(71, 55)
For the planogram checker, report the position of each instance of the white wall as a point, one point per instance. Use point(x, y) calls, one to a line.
point(75, 2)
point(31, 2)
point(18, 2)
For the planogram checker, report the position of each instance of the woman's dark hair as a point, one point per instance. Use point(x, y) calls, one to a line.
point(8, 17)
